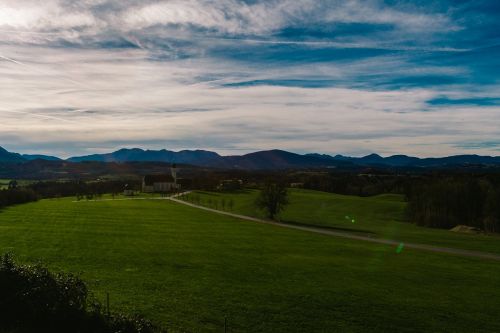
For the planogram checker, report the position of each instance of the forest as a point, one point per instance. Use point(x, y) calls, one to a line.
point(445, 202)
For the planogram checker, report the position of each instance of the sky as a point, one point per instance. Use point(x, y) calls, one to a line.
point(348, 77)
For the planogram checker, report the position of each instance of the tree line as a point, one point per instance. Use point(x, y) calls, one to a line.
point(55, 189)
point(445, 202)
point(15, 196)
point(359, 184)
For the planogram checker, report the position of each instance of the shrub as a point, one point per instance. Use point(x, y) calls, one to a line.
point(32, 299)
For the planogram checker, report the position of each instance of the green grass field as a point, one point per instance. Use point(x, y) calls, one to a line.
point(188, 269)
point(381, 216)
point(4, 183)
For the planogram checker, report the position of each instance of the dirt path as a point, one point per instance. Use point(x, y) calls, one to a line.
point(465, 253)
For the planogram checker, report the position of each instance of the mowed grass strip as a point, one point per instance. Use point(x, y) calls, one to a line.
point(189, 269)
point(381, 216)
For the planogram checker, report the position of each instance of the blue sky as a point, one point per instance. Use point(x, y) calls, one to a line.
point(233, 76)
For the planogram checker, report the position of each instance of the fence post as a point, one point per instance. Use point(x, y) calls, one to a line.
point(225, 324)
point(107, 305)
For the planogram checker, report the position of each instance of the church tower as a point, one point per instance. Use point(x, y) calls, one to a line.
point(173, 171)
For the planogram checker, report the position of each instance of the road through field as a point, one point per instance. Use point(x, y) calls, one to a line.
point(400, 245)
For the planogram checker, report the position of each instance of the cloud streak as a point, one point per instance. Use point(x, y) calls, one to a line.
point(330, 76)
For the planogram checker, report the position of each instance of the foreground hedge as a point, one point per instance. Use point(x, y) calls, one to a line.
point(33, 299)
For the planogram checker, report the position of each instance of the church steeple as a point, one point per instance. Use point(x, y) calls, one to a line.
point(173, 171)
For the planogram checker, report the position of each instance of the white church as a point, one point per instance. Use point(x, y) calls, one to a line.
point(161, 183)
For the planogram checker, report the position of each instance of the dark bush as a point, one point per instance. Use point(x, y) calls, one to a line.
point(32, 299)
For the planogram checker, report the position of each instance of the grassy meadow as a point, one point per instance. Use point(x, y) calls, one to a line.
point(4, 183)
point(381, 216)
point(189, 269)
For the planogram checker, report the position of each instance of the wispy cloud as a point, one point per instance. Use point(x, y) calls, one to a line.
point(307, 75)
point(79, 22)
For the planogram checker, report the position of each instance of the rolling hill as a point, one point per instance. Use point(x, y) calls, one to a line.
point(40, 157)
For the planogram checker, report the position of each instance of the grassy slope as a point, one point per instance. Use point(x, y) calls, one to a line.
point(4, 183)
point(382, 216)
point(189, 269)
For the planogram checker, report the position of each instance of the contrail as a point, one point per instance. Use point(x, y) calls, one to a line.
point(39, 116)
point(42, 72)
point(12, 60)
point(42, 33)
point(335, 44)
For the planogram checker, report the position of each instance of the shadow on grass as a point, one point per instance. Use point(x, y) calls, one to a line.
point(218, 194)
point(350, 230)
point(209, 194)
point(241, 191)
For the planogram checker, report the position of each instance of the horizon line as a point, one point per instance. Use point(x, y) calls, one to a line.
point(298, 152)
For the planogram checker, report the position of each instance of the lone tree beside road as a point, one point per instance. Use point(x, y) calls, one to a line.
point(273, 198)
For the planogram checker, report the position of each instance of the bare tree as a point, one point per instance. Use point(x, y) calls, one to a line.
point(273, 198)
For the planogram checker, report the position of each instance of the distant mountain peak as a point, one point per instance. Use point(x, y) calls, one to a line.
point(8, 157)
point(373, 156)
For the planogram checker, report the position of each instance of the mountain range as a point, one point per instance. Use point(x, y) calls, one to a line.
point(8, 157)
point(270, 159)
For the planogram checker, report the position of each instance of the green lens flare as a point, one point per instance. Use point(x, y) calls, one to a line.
point(400, 248)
